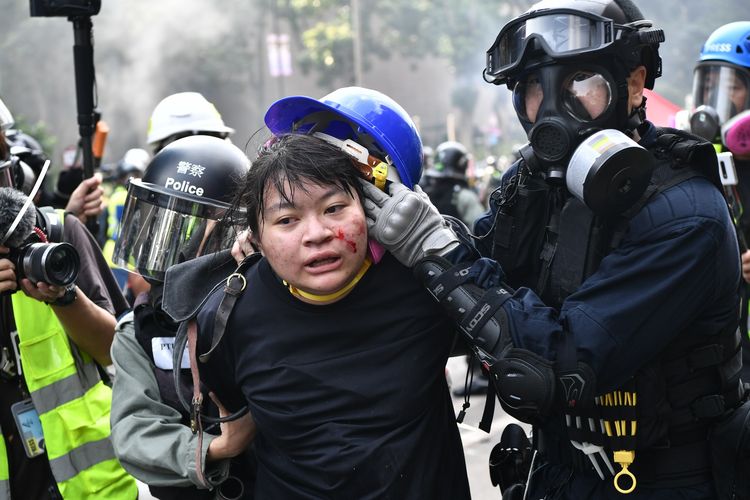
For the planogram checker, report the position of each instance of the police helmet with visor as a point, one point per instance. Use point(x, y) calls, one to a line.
point(451, 159)
point(174, 212)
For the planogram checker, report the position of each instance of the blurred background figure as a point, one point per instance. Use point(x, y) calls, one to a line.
point(721, 93)
point(447, 185)
point(183, 114)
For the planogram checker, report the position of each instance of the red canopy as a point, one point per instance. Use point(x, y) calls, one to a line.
point(659, 110)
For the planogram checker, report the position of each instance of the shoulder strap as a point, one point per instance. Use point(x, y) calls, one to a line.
point(235, 285)
point(187, 285)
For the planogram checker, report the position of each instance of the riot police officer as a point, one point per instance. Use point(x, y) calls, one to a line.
point(609, 320)
point(448, 187)
point(172, 215)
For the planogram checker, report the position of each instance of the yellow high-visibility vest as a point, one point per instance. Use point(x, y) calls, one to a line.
point(73, 406)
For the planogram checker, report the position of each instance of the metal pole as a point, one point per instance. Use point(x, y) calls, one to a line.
point(356, 42)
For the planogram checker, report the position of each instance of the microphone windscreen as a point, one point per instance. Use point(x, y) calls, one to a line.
point(11, 203)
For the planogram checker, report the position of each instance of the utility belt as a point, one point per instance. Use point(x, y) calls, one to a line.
point(653, 437)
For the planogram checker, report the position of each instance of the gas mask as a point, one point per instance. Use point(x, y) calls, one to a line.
point(571, 114)
point(720, 92)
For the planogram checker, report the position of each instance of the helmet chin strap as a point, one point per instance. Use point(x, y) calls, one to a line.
point(636, 119)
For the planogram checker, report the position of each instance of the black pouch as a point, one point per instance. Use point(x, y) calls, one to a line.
point(730, 454)
point(518, 234)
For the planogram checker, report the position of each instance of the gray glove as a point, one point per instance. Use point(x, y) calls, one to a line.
point(406, 223)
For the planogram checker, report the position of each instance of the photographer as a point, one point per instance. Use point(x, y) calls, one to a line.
point(51, 340)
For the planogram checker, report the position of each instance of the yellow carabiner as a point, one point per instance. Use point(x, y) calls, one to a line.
point(624, 458)
point(379, 175)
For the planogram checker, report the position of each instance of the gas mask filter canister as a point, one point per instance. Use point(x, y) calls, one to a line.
point(609, 172)
point(735, 134)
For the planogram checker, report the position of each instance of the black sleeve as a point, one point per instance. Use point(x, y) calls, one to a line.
point(95, 278)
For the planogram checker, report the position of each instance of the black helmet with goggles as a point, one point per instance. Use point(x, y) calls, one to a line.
point(555, 31)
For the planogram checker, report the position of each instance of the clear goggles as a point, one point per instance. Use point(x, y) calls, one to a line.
point(585, 95)
point(723, 87)
point(560, 32)
point(159, 230)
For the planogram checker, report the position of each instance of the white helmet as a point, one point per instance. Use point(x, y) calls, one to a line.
point(6, 119)
point(185, 113)
point(133, 162)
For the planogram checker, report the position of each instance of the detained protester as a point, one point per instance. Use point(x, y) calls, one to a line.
point(171, 215)
point(336, 349)
point(721, 94)
point(57, 316)
point(614, 331)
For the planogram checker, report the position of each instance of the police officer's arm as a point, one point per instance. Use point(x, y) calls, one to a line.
point(147, 434)
point(647, 290)
point(90, 326)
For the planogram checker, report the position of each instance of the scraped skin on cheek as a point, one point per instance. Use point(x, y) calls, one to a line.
point(317, 240)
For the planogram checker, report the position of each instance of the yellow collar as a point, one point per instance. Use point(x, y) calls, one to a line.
point(331, 297)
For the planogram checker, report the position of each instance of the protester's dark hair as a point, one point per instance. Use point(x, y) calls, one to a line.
point(287, 162)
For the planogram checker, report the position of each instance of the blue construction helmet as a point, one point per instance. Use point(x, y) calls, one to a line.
point(721, 80)
point(367, 117)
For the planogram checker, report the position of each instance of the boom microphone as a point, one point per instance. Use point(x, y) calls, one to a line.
point(12, 202)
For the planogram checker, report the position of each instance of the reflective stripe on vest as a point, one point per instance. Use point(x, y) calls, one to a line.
point(73, 406)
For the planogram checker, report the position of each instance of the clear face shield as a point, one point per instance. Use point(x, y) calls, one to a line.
point(159, 230)
point(724, 88)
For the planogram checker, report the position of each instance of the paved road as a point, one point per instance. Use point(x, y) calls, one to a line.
point(478, 444)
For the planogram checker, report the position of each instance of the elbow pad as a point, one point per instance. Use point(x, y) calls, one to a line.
point(524, 382)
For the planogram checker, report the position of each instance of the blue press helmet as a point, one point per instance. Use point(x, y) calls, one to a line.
point(729, 43)
point(368, 117)
point(721, 80)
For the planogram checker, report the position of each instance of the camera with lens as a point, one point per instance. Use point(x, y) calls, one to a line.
point(64, 8)
point(53, 263)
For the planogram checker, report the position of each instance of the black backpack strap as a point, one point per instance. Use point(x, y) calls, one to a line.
point(235, 285)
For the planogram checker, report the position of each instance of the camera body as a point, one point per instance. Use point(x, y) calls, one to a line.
point(64, 8)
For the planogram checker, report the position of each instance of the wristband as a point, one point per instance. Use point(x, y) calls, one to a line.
point(67, 298)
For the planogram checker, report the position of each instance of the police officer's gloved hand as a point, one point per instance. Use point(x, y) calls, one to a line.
point(406, 223)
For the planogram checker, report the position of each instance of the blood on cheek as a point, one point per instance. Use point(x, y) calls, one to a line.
point(349, 243)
